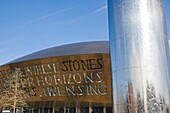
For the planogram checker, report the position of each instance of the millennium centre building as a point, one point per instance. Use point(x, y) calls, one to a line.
point(73, 78)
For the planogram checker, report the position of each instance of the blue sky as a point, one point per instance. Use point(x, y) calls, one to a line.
point(27, 26)
point(167, 15)
point(30, 25)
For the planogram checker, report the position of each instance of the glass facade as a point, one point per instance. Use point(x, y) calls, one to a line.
point(139, 56)
point(69, 110)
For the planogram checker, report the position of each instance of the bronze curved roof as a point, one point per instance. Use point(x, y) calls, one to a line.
point(68, 49)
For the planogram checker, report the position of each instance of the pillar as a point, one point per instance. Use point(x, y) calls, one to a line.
point(139, 56)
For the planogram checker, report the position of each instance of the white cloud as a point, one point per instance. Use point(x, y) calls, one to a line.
point(73, 21)
point(44, 17)
point(100, 10)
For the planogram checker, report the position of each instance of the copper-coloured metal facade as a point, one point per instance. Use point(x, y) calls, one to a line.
point(138, 45)
point(73, 78)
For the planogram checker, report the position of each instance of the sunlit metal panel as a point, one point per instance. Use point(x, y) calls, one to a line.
point(139, 55)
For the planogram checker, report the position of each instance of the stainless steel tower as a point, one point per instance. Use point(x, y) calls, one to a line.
point(139, 53)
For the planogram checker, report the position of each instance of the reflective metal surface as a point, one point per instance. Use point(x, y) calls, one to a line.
point(68, 49)
point(138, 45)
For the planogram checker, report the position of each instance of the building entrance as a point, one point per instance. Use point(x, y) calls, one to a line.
point(98, 110)
point(71, 110)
